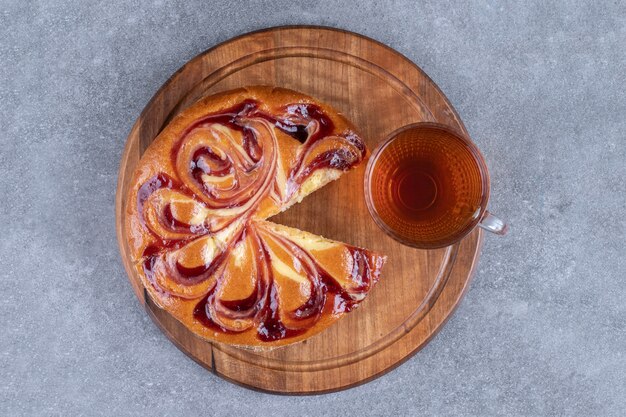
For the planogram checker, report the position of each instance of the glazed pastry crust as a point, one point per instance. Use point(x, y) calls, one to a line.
point(229, 238)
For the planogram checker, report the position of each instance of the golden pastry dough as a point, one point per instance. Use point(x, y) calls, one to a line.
point(196, 218)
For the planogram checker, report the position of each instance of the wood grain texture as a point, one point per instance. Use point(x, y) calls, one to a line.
point(379, 90)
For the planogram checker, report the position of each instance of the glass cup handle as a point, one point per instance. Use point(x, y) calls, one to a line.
point(493, 224)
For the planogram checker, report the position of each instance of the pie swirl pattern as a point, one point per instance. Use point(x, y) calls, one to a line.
point(196, 216)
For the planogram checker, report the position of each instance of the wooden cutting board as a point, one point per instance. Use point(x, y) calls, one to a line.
point(379, 90)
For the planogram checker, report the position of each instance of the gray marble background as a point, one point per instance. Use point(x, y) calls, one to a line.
point(540, 86)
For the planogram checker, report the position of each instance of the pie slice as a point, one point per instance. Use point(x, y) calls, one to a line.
point(196, 218)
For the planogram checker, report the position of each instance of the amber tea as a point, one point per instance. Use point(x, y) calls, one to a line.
point(427, 186)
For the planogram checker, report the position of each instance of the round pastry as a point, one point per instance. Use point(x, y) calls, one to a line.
point(196, 218)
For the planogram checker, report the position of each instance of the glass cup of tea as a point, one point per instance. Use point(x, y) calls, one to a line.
point(427, 186)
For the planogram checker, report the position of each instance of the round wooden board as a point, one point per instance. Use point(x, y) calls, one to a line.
point(379, 90)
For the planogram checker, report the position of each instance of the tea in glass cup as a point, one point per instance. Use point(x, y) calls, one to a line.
point(427, 186)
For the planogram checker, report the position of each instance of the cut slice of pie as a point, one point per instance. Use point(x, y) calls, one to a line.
point(196, 218)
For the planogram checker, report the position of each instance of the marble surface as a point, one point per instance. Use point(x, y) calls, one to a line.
point(540, 86)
